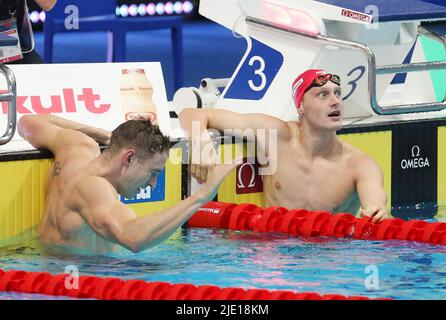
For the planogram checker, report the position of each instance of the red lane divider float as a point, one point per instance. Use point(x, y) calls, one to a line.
point(314, 223)
point(118, 289)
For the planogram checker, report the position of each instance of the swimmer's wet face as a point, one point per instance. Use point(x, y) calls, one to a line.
point(138, 173)
point(322, 106)
point(141, 151)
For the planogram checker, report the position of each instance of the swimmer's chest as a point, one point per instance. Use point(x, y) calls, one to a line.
point(330, 181)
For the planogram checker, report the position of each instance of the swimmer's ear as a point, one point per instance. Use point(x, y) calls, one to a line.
point(129, 156)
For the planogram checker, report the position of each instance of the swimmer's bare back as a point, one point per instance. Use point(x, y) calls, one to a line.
point(72, 150)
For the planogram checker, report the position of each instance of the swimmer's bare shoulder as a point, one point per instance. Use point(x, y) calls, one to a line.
point(368, 176)
point(97, 202)
point(358, 160)
point(94, 186)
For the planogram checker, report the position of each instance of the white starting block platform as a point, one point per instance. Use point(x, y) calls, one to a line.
point(366, 42)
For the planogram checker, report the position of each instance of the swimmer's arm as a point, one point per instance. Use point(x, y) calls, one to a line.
point(266, 131)
point(99, 135)
point(46, 5)
point(113, 223)
point(118, 223)
point(44, 131)
point(223, 120)
point(370, 188)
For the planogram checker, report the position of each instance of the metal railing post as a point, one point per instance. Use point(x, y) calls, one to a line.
point(10, 97)
point(373, 70)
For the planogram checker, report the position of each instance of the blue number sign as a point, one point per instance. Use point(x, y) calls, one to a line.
point(353, 83)
point(256, 74)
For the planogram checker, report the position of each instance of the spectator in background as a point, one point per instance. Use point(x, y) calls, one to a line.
point(17, 11)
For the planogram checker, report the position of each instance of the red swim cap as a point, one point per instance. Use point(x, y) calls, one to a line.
point(302, 82)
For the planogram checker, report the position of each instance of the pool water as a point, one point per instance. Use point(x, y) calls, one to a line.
point(392, 269)
point(24, 296)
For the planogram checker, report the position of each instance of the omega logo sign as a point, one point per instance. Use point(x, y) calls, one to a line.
point(252, 183)
point(416, 161)
point(248, 179)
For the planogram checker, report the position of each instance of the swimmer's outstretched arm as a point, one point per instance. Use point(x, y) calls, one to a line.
point(227, 120)
point(116, 222)
point(254, 125)
point(43, 131)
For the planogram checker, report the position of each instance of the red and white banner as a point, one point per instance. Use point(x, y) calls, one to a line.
point(98, 94)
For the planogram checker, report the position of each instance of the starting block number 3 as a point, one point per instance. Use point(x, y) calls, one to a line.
point(259, 72)
point(256, 73)
point(261, 66)
point(357, 73)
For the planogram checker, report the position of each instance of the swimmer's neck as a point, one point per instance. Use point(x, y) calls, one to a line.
point(317, 143)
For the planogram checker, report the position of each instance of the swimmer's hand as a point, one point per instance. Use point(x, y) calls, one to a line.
point(203, 160)
point(377, 213)
point(214, 178)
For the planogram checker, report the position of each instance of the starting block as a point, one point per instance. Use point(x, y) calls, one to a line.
point(373, 45)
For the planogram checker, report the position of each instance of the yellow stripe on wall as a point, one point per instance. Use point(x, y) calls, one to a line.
point(377, 145)
point(23, 195)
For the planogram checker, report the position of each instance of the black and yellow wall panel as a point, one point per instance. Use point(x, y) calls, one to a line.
point(22, 195)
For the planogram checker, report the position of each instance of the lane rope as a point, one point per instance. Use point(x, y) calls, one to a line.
point(92, 287)
point(300, 222)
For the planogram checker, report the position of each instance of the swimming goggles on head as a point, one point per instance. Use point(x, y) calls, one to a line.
point(322, 79)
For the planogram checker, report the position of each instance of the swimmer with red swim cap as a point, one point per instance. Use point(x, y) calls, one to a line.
point(315, 170)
